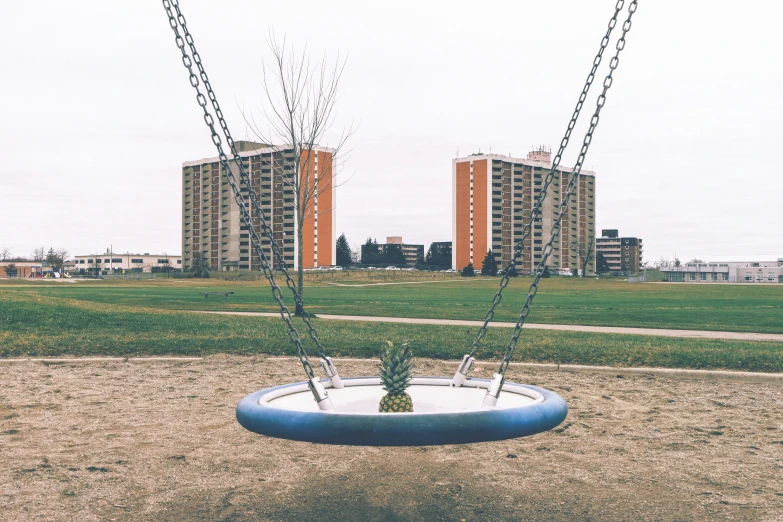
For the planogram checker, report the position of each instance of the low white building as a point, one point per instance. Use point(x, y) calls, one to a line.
point(728, 272)
point(113, 263)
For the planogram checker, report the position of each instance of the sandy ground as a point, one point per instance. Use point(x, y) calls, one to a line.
point(120, 441)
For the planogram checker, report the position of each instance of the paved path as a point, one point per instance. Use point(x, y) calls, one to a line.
point(672, 373)
point(659, 332)
point(349, 285)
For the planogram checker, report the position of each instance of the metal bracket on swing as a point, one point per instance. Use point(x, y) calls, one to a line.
point(331, 372)
point(493, 392)
point(320, 395)
point(462, 372)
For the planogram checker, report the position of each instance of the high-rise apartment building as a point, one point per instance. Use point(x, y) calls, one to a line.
point(212, 229)
point(493, 197)
point(622, 254)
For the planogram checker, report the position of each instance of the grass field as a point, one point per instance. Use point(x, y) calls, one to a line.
point(36, 323)
point(604, 302)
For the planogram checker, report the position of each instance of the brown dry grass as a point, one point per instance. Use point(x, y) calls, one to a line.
point(118, 441)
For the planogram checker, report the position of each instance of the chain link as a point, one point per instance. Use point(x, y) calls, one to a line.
point(245, 178)
point(179, 21)
point(555, 231)
point(537, 208)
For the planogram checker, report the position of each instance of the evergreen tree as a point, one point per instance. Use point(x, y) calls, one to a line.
point(490, 265)
point(56, 259)
point(371, 255)
point(468, 271)
point(438, 255)
point(343, 251)
point(393, 255)
point(512, 272)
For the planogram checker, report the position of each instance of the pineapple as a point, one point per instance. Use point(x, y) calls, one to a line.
point(396, 367)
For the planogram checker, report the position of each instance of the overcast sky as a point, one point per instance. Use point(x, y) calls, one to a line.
point(98, 115)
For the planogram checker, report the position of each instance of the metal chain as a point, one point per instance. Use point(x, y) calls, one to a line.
point(244, 213)
point(537, 208)
point(245, 178)
point(555, 231)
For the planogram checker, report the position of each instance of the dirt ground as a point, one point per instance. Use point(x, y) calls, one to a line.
point(121, 441)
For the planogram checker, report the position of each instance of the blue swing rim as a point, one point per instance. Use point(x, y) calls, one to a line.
point(402, 429)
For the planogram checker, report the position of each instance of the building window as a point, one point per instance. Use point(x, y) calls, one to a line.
point(748, 276)
point(137, 261)
point(116, 260)
point(692, 276)
point(703, 276)
point(107, 260)
point(771, 277)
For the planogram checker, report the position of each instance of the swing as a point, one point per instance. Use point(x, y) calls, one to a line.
point(455, 410)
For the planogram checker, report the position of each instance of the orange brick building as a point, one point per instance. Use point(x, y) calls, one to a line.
point(211, 223)
point(492, 199)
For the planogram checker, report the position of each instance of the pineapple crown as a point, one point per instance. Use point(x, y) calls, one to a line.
point(396, 368)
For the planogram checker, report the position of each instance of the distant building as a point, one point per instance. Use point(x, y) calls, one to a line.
point(493, 197)
point(439, 254)
point(393, 252)
point(413, 254)
point(22, 268)
point(622, 254)
point(212, 228)
point(113, 263)
point(729, 272)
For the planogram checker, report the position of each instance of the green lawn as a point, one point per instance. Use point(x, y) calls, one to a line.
point(33, 323)
point(604, 302)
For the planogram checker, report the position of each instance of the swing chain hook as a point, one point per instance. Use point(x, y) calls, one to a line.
point(245, 178)
point(564, 204)
point(537, 208)
point(176, 22)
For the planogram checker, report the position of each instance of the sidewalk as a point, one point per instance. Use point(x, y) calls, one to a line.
point(659, 332)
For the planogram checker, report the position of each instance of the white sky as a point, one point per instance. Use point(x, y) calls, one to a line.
point(97, 113)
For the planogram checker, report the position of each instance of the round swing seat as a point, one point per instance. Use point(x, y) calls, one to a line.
point(442, 414)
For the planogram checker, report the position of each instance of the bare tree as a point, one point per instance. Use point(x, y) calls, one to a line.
point(5, 253)
point(39, 254)
point(585, 253)
point(96, 265)
point(298, 112)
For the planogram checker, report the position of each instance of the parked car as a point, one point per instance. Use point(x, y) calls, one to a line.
point(392, 268)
